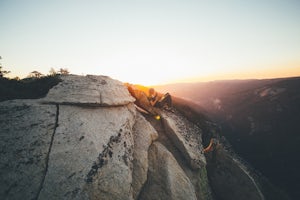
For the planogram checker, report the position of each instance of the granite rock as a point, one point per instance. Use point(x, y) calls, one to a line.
point(144, 135)
point(26, 131)
point(186, 136)
point(90, 91)
point(91, 144)
point(166, 178)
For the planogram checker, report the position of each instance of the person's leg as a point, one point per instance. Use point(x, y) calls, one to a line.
point(166, 100)
point(169, 100)
point(158, 104)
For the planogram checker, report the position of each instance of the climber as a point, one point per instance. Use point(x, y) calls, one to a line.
point(212, 146)
point(164, 102)
point(142, 101)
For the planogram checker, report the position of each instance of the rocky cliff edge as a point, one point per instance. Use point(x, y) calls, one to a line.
point(87, 140)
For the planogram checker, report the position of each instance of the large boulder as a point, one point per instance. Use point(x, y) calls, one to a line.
point(70, 150)
point(144, 135)
point(186, 136)
point(91, 145)
point(167, 137)
point(90, 91)
point(166, 178)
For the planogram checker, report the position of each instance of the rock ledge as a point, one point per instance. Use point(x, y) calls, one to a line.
point(89, 90)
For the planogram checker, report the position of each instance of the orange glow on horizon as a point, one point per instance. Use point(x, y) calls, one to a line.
point(176, 75)
point(275, 72)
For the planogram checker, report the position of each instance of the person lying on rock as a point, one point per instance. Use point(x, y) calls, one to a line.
point(164, 102)
point(141, 99)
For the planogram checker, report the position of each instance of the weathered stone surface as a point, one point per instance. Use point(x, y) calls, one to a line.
point(89, 90)
point(197, 177)
point(113, 179)
point(230, 179)
point(91, 154)
point(186, 136)
point(144, 135)
point(26, 129)
point(94, 144)
point(166, 180)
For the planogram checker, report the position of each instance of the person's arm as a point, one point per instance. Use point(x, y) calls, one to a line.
point(153, 100)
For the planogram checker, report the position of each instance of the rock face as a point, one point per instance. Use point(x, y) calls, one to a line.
point(166, 178)
point(89, 90)
point(179, 131)
point(26, 131)
point(144, 135)
point(87, 140)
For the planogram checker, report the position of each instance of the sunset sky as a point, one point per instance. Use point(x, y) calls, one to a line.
point(152, 41)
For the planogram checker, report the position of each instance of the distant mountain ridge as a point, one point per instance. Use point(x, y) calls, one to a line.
point(204, 90)
point(260, 118)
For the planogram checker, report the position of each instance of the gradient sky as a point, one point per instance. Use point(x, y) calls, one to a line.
point(152, 41)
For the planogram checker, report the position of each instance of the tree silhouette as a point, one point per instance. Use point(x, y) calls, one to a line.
point(63, 71)
point(3, 72)
point(35, 74)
